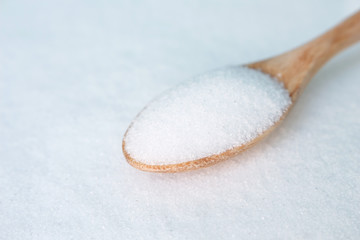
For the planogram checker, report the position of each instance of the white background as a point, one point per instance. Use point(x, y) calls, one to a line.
point(73, 74)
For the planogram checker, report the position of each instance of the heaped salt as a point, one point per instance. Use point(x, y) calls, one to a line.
point(207, 115)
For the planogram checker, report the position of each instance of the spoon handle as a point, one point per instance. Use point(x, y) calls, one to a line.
point(330, 43)
point(345, 34)
point(310, 57)
point(296, 67)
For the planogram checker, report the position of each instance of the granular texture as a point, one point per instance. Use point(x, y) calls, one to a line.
point(207, 115)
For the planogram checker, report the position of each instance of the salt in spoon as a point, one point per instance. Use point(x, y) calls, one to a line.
point(294, 69)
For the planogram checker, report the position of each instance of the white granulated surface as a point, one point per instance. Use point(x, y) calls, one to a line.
point(207, 115)
point(73, 74)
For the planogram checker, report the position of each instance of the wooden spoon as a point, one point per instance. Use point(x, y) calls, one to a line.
point(294, 68)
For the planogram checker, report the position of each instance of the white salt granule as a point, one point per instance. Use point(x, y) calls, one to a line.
point(208, 115)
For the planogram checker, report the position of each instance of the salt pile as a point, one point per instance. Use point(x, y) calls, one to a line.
point(207, 115)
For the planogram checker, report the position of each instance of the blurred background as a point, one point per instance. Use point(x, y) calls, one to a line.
point(73, 74)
